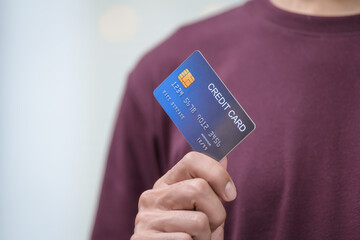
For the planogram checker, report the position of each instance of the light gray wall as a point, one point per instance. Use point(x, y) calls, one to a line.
point(63, 65)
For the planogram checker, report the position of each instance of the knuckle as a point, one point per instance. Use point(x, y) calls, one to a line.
point(220, 218)
point(201, 222)
point(140, 217)
point(200, 185)
point(190, 157)
point(145, 198)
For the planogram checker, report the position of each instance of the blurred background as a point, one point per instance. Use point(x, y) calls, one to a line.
point(63, 67)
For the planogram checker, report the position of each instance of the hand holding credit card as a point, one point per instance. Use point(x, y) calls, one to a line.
point(185, 203)
point(203, 109)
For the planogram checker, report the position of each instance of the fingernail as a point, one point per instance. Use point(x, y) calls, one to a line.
point(230, 191)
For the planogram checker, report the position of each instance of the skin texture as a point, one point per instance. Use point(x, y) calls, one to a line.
point(325, 8)
point(185, 203)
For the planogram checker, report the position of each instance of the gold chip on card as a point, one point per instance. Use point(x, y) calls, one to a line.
point(186, 78)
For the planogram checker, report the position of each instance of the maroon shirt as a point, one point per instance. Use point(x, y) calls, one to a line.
point(298, 77)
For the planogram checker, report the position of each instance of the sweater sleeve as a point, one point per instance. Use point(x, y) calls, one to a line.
point(132, 164)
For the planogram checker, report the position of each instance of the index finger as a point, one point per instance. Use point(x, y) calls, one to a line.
point(198, 165)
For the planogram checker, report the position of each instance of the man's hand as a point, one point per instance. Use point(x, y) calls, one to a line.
point(185, 203)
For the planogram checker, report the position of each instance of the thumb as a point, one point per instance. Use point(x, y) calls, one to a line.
point(223, 162)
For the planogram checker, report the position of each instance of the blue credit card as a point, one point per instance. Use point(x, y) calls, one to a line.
point(203, 109)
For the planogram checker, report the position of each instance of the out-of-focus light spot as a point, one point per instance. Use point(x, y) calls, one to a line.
point(118, 24)
point(212, 9)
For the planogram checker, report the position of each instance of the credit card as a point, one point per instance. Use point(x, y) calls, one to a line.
point(203, 109)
